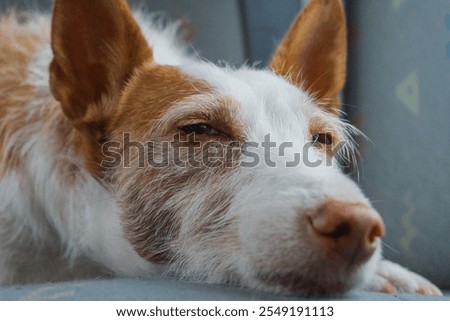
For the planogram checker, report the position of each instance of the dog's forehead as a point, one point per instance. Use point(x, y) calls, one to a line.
point(267, 102)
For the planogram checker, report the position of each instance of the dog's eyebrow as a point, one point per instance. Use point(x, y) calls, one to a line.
point(219, 111)
point(323, 124)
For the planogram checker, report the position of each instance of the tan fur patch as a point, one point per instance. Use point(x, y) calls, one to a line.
point(18, 44)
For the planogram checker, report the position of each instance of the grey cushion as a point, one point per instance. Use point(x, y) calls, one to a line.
point(159, 289)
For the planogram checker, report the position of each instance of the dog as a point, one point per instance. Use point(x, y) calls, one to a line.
point(82, 90)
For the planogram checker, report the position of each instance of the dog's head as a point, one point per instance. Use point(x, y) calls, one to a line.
point(223, 175)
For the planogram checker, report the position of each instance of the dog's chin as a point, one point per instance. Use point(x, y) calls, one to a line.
point(312, 282)
point(299, 284)
point(317, 276)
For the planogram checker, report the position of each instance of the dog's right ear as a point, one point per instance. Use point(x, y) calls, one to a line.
point(96, 46)
point(313, 54)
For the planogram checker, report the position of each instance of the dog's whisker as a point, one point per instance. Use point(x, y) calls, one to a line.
point(390, 247)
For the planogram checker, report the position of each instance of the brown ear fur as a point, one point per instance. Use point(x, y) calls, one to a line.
point(96, 46)
point(313, 53)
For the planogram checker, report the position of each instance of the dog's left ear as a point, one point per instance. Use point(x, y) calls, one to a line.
point(97, 45)
point(313, 54)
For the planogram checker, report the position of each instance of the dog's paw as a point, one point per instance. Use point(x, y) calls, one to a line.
point(392, 278)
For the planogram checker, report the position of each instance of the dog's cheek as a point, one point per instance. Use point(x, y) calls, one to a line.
point(149, 225)
point(150, 215)
point(210, 244)
point(179, 214)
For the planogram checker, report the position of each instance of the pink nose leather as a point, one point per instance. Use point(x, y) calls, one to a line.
point(348, 230)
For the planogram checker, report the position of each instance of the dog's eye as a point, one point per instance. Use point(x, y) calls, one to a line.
point(324, 139)
point(199, 129)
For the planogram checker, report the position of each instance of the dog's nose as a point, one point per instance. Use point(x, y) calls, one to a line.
point(348, 230)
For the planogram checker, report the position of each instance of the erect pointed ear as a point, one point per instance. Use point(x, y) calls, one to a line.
point(313, 54)
point(96, 46)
